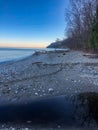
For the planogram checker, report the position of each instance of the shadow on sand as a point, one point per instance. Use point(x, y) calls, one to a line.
point(76, 110)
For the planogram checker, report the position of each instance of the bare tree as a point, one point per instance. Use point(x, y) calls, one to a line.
point(94, 33)
point(79, 18)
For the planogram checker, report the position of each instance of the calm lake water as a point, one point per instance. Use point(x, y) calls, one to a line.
point(7, 54)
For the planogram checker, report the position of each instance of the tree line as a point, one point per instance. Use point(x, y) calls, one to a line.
point(82, 24)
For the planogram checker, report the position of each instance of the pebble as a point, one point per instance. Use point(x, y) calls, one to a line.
point(36, 94)
point(51, 90)
point(59, 126)
point(3, 126)
point(29, 121)
point(16, 91)
point(43, 91)
point(79, 81)
point(38, 90)
point(76, 91)
point(26, 129)
point(75, 81)
point(13, 129)
point(95, 83)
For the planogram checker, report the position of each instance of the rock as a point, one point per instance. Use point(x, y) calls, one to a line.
point(16, 91)
point(29, 121)
point(3, 126)
point(38, 90)
point(59, 126)
point(36, 94)
point(76, 91)
point(44, 94)
point(51, 90)
point(75, 81)
point(12, 128)
point(79, 81)
point(95, 83)
point(26, 128)
point(43, 91)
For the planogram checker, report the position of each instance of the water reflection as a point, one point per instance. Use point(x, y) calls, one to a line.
point(76, 110)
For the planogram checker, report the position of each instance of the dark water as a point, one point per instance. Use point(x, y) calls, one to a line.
point(65, 110)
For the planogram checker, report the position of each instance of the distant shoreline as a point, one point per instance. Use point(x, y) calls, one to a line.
point(23, 57)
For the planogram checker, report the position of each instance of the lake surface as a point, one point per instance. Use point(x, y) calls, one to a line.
point(8, 54)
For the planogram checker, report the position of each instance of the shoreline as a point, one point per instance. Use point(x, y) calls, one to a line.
point(44, 64)
point(23, 57)
point(48, 74)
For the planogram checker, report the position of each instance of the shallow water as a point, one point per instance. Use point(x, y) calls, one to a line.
point(13, 54)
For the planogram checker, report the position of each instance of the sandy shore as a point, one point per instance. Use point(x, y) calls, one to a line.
point(45, 73)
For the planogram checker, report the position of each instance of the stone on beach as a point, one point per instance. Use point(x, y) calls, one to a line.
point(51, 90)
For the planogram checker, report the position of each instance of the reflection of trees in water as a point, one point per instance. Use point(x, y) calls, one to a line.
point(87, 109)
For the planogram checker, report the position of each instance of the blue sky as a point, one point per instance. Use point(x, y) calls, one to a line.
point(31, 23)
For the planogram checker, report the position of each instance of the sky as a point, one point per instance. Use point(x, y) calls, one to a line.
point(31, 23)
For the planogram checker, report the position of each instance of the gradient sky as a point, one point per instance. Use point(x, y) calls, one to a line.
point(31, 23)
